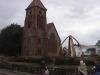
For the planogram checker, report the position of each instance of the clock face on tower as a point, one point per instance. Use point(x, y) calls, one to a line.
point(40, 20)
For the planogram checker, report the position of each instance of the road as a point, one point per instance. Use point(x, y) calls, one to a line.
point(8, 72)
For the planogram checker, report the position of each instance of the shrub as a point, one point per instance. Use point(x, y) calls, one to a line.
point(60, 61)
point(47, 59)
point(89, 62)
point(24, 59)
point(18, 59)
point(73, 61)
point(94, 55)
point(66, 61)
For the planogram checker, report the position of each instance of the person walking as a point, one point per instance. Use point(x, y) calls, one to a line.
point(96, 68)
point(46, 71)
point(42, 67)
point(82, 70)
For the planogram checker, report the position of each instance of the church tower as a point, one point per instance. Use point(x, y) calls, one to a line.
point(34, 31)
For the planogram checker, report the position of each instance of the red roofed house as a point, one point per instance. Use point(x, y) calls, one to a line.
point(39, 38)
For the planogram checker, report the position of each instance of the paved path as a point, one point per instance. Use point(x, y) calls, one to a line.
point(8, 72)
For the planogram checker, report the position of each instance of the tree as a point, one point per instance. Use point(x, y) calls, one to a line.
point(10, 40)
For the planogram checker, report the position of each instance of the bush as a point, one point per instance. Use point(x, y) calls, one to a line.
point(18, 59)
point(60, 61)
point(94, 55)
point(73, 61)
point(66, 61)
point(23, 59)
point(47, 59)
point(89, 62)
point(98, 57)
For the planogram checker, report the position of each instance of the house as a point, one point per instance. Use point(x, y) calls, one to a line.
point(85, 49)
point(98, 47)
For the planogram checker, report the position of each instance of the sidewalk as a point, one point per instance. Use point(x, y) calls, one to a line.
point(8, 72)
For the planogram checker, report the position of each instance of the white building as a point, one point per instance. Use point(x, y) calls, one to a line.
point(98, 47)
point(87, 50)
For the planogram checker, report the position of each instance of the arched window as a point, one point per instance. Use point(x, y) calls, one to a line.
point(39, 51)
point(52, 43)
point(40, 21)
point(29, 45)
point(29, 21)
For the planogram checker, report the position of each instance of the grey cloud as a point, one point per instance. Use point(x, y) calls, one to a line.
point(12, 11)
point(68, 16)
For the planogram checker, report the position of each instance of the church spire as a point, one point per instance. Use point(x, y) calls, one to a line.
point(36, 3)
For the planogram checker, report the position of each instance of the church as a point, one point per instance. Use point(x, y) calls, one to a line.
point(39, 38)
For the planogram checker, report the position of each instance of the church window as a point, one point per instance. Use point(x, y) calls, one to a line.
point(39, 51)
point(39, 40)
point(30, 12)
point(40, 12)
point(40, 21)
point(52, 43)
point(29, 21)
point(29, 46)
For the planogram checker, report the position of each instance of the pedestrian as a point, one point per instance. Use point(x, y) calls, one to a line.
point(82, 70)
point(96, 68)
point(46, 71)
point(42, 67)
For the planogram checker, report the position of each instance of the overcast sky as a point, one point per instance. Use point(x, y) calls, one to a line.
point(80, 18)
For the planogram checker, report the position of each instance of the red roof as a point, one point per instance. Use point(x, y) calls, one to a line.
point(37, 3)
